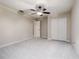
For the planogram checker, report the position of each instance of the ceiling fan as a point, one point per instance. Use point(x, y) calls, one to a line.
point(39, 10)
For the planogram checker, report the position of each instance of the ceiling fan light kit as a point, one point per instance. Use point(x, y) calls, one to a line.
point(39, 13)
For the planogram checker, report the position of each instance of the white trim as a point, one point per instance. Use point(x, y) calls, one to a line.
point(14, 42)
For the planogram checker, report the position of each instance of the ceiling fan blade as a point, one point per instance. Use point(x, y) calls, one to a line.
point(32, 10)
point(33, 13)
point(46, 12)
point(21, 12)
point(44, 9)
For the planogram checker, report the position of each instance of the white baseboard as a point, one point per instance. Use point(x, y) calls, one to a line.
point(13, 42)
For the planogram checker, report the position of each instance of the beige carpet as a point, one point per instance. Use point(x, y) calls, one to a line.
point(38, 49)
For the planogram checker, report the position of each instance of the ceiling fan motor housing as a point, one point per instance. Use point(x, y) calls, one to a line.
point(40, 7)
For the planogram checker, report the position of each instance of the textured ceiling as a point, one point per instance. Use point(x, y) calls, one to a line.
point(16, 4)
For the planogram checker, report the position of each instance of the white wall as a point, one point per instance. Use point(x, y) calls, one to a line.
point(14, 27)
point(75, 26)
